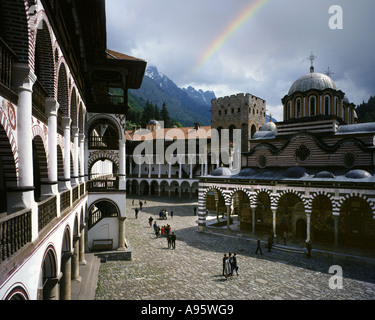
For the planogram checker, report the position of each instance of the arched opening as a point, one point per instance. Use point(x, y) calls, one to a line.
point(101, 209)
point(144, 188)
point(253, 130)
point(241, 208)
point(263, 213)
point(356, 224)
point(62, 91)
point(48, 280)
point(289, 211)
point(103, 134)
point(40, 170)
point(322, 222)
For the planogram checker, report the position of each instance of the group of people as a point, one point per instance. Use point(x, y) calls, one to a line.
point(230, 265)
point(163, 214)
point(164, 231)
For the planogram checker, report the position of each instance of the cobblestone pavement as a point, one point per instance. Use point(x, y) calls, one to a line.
point(193, 271)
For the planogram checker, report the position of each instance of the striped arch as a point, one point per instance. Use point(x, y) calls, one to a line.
point(226, 199)
point(314, 195)
point(354, 194)
point(107, 117)
point(10, 155)
point(301, 196)
point(255, 195)
point(104, 154)
point(247, 192)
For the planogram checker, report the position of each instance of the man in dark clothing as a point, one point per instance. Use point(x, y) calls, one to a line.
point(136, 213)
point(169, 238)
point(270, 243)
point(224, 258)
point(173, 239)
point(309, 248)
point(258, 247)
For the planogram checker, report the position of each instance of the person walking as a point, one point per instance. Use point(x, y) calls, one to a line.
point(258, 247)
point(224, 259)
point(227, 269)
point(173, 240)
point(169, 239)
point(309, 248)
point(171, 214)
point(235, 265)
point(140, 205)
point(150, 221)
point(136, 213)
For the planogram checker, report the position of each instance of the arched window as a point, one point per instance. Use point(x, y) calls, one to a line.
point(312, 105)
point(336, 107)
point(327, 105)
point(298, 108)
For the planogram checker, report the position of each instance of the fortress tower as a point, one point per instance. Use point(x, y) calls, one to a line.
point(241, 111)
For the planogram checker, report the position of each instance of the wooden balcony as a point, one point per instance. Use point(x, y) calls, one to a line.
point(47, 211)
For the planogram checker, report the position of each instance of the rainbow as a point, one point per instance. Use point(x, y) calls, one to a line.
point(232, 27)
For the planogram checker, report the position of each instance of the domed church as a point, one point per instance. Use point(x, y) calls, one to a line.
point(311, 175)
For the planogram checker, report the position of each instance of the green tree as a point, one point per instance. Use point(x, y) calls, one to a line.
point(148, 114)
point(164, 114)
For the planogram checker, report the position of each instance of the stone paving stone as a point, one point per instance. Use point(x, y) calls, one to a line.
point(193, 271)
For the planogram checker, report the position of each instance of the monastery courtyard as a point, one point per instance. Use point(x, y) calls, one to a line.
point(193, 271)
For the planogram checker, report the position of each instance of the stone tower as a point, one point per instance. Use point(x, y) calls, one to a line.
point(241, 111)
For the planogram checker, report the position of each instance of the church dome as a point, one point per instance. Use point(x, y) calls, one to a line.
point(269, 126)
point(312, 80)
point(221, 171)
point(358, 174)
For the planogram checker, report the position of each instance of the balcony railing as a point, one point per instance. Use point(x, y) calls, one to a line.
point(15, 232)
point(64, 200)
point(7, 59)
point(47, 211)
point(103, 185)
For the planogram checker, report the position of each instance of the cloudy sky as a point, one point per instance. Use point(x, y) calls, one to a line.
point(255, 46)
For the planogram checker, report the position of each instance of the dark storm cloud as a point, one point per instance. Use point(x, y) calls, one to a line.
point(264, 56)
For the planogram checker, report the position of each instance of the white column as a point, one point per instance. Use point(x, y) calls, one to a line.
point(130, 165)
point(159, 170)
point(82, 156)
point(66, 121)
point(191, 171)
point(308, 216)
point(122, 173)
point(274, 222)
point(87, 159)
point(24, 80)
point(180, 170)
point(169, 170)
point(75, 132)
point(52, 106)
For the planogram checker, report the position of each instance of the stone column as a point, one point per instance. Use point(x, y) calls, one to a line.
point(82, 155)
point(52, 106)
point(122, 245)
point(86, 160)
point(122, 169)
point(75, 132)
point(159, 170)
point(65, 282)
point(130, 166)
point(191, 171)
point(50, 289)
point(66, 121)
point(75, 259)
point(169, 170)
